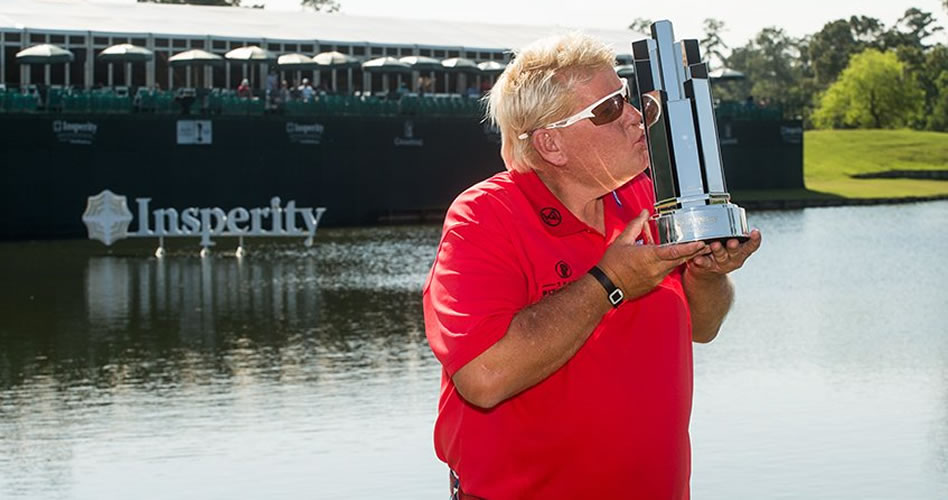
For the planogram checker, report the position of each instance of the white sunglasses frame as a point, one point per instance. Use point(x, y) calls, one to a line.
point(584, 113)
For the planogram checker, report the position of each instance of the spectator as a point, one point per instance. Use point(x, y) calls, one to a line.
point(244, 89)
point(284, 92)
point(306, 90)
point(271, 87)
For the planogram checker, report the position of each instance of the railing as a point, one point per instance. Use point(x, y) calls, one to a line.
point(226, 102)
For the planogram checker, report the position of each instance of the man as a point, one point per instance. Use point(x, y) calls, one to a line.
point(548, 390)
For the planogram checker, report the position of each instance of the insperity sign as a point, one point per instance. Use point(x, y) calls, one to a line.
point(107, 219)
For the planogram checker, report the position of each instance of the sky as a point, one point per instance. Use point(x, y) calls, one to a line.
point(742, 18)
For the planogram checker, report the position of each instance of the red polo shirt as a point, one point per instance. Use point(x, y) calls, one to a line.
point(613, 421)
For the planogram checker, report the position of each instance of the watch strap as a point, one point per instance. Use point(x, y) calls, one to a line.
point(613, 293)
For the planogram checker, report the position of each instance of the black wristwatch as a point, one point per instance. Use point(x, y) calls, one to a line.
point(613, 293)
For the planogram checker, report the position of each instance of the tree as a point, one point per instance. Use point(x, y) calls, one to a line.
point(874, 91)
point(775, 70)
point(321, 5)
point(831, 47)
point(938, 119)
point(911, 30)
point(712, 43)
point(926, 67)
point(643, 25)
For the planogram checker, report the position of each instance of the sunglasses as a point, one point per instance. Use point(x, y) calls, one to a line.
point(607, 110)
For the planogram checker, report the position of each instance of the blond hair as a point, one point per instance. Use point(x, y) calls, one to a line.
point(536, 88)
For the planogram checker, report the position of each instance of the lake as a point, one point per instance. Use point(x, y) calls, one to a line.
point(304, 372)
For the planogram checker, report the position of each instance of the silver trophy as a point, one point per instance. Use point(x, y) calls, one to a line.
point(692, 202)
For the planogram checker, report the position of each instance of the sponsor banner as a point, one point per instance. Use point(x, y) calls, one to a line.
point(304, 133)
point(791, 135)
point(194, 132)
point(408, 136)
point(107, 219)
point(75, 132)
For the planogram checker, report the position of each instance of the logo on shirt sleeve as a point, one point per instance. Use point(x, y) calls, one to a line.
point(551, 216)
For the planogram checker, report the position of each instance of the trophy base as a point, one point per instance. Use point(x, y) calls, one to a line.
point(702, 223)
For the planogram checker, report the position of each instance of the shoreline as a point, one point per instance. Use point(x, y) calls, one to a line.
point(792, 204)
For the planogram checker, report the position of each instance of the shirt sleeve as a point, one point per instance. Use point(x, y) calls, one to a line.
point(473, 292)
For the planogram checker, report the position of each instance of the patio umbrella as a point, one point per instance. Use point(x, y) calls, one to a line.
point(194, 57)
point(251, 54)
point(491, 67)
point(626, 70)
point(44, 54)
point(726, 74)
point(386, 64)
point(460, 64)
point(335, 60)
point(296, 62)
point(125, 53)
point(422, 63)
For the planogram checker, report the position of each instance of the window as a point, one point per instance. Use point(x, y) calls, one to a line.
point(425, 52)
point(179, 43)
point(220, 44)
point(454, 53)
point(100, 40)
point(439, 53)
point(77, 40)
point(11, 72)
point(358, 51)
point(37, 38)
point(273, 46)
point(376, 51)
point(138, 41)
point(289, 47)
point(391, 51)
point(161, 42)
point(306, 48)
point(12, 37)
point(77, 70)
point(197, 44)
point(57, 39)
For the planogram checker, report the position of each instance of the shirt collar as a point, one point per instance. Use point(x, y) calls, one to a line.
point(547, 208)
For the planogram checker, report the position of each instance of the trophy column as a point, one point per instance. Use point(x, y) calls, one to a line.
point(692, 202)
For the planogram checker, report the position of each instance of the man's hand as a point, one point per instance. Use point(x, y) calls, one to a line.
point(638, 268)
point(724, 258)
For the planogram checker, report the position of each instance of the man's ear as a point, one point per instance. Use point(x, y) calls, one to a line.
point(549, 146)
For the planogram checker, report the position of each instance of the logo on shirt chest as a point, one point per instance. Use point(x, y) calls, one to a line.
point(551, 216)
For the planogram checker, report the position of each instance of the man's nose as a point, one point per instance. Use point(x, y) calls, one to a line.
point(636, 116)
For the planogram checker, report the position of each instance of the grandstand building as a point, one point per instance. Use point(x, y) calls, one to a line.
point(86, 27)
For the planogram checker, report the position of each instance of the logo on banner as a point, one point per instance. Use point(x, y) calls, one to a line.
point(305, 133)
point(107, 219)
point(408, 136)
point(75, 132)
point(195, 132)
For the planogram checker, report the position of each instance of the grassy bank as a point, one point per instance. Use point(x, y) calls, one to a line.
point(831, 157)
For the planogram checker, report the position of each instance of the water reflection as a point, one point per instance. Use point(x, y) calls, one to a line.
point(305, 373)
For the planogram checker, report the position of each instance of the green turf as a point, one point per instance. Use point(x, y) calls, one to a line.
point(831, 157)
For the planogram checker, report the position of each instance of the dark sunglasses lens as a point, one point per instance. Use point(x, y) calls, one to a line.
point(608, 111)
